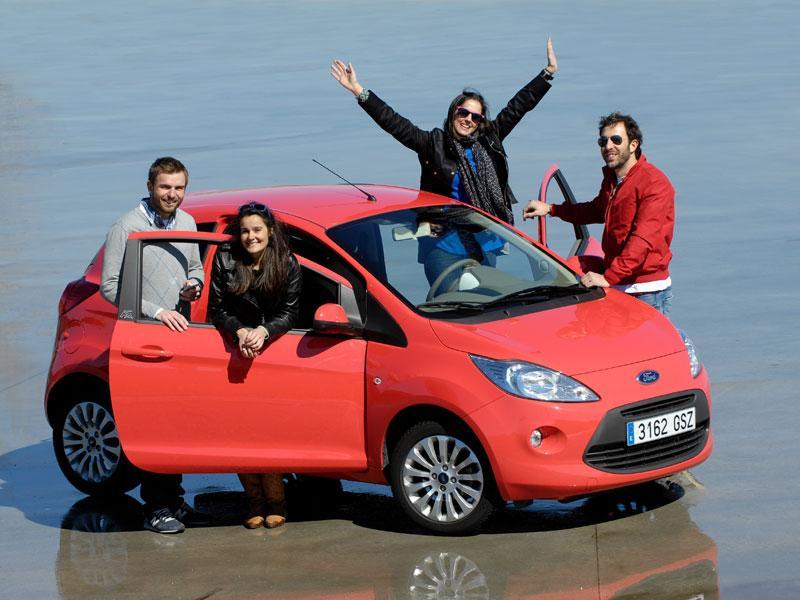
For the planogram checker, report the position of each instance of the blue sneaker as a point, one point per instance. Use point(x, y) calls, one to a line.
point(163, 521)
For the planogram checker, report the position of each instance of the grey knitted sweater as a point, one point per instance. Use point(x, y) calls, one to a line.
point(165, 267)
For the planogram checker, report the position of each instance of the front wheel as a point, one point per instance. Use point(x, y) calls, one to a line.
point(88, 449)
point(441, 479)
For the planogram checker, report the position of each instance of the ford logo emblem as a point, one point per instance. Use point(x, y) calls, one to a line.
point(646, 377)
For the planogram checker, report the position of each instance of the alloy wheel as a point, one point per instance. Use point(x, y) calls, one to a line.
point(442, 479)
point(91, 442)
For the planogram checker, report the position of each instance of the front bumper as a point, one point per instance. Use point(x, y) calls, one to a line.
point(584, 448)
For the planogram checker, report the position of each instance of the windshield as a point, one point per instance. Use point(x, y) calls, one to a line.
point(446, 258)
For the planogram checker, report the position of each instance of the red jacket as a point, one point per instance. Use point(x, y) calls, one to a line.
point(638, 220)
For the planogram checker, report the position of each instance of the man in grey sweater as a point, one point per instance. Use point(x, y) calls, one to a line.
point(168, 276)
point(172, 276)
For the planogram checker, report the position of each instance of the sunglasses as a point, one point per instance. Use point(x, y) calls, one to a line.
point(254, 207)
point(464, 113)
point(603, 140)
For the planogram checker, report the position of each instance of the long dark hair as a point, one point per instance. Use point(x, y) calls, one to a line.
point(268, 271)
point(467, 94)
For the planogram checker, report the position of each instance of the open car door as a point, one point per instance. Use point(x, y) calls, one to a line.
point(573, 242)
point(189, 402)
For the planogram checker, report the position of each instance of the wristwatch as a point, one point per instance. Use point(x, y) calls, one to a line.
point(362, 97)
point(547, 75)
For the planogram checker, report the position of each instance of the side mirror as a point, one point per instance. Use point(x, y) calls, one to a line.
point(332, 319)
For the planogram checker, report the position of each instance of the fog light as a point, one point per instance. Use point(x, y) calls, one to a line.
point(536, 438)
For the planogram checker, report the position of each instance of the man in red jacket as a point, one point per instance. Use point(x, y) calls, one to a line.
point(636, 204)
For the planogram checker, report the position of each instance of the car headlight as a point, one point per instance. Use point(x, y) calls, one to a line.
point(532, 381)
point(694, 362)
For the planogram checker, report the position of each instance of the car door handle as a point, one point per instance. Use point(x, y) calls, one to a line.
point(149, 353)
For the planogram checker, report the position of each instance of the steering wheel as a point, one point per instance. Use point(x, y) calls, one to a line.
point(437, 283)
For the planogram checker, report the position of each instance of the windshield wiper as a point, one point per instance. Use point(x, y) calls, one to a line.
point(534, 294)
point(454, 305)
point(540, 293)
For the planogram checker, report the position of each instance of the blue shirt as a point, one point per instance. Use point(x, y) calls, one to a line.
point(450, 242)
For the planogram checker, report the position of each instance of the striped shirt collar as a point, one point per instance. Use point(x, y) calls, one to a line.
point(155, 219)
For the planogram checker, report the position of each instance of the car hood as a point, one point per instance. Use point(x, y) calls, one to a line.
point(591, 336)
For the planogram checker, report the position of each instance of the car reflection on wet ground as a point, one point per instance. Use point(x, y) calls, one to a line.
point(640, 544)
point(354, 542)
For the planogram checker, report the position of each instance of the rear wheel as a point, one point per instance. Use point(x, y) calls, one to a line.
point(88, 449)
point(441, 479)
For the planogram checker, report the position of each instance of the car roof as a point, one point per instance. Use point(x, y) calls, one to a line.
point(325, 205)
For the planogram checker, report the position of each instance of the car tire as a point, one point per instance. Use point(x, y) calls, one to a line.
point(441, 479)
point(88, 449)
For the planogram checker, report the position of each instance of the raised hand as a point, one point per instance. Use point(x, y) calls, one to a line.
point(552, 63)
point(345, 74)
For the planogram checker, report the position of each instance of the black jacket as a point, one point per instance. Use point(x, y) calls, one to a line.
point(230, 312)
point(436, 159)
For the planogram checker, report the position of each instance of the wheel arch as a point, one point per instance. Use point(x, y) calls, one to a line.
point(70, 385)
point(412, 415)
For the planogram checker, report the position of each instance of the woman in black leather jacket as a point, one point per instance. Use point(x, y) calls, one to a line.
point(465, 159)
point(255, 283)
point(255, 295)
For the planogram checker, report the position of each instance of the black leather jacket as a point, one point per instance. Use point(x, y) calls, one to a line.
point(230, 312)
point(436, 159)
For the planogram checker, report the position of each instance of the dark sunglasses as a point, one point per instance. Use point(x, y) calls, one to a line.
point(603, 140)
point(463, 113)
point(255, 207)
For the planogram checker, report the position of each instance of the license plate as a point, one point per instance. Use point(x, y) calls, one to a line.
point(662, 426)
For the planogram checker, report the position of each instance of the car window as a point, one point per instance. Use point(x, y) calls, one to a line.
point(307, 246)
point(317, 290)
point(448, 254)
point(163, 272)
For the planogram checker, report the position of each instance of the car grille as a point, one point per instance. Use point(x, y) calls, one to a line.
point(608, 450)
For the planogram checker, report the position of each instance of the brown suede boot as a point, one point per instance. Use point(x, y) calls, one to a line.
point(251, 482)
point(272, 484)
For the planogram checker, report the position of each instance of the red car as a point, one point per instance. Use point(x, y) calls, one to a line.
point(462, 386)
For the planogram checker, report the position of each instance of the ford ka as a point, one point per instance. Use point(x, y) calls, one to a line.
point(499, 379)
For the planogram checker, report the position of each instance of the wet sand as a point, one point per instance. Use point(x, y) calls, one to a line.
point(91, 93)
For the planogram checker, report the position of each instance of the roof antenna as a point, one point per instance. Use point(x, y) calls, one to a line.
point(369, 196)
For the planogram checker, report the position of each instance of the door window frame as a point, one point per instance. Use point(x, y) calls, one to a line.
point(582, 236)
